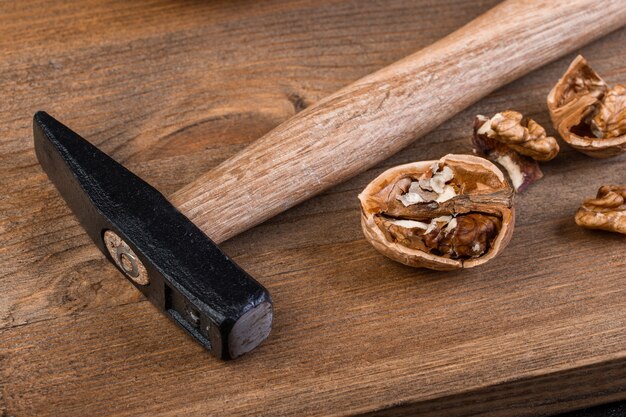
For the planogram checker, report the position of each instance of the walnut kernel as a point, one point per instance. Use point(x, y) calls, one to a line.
point(516, 143)
point(607, 211)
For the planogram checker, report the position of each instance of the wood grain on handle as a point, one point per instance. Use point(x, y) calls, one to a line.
point(376, 116)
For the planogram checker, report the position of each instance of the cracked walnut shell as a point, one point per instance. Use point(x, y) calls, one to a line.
point(590, 116)
point(447, 214)
point(606, 212)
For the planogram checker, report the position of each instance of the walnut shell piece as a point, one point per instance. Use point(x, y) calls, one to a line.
point(607, 211)
point(447, 214)
point(588, 114)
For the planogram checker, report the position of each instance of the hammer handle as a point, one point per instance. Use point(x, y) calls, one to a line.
point(376, 116)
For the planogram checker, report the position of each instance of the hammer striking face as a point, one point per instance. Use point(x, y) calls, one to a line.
point(157, 248)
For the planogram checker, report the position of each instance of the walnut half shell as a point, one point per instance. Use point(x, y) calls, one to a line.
point(590, 116)
point(448, 214)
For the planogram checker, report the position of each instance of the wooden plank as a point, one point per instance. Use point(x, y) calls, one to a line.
point(171, 89)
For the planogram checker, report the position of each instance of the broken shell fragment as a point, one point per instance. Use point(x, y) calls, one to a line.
point(516, 143)
point(590, 116)
point(448, 214)
point(607, 211)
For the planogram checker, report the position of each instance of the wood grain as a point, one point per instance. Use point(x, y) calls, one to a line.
point(173, 88)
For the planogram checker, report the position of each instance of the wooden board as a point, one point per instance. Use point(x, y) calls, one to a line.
point(170, 89)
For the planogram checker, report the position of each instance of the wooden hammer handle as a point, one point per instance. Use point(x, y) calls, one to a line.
point(376, 116)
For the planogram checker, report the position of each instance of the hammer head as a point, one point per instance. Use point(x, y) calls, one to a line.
point(157, 248)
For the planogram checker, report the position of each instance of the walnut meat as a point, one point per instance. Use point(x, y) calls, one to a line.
point(590, 116)
point(516, 143)
point(606, 212)
point(448, 214)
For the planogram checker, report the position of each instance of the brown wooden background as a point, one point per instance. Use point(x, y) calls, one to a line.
point(170, 89)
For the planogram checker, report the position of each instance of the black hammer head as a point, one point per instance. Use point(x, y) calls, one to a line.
point(157, 248)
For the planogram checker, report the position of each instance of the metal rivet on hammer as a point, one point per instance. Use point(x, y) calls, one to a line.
point(125, 258)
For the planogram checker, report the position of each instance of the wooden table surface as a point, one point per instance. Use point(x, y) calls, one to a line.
point(170, 89)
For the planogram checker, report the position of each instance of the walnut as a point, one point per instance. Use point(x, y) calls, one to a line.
point(590, 116)
point(448, 214)
point(516, 143)
point(610, 120)
point(606, 212)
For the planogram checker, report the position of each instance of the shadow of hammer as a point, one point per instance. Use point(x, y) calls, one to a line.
point(162, 246)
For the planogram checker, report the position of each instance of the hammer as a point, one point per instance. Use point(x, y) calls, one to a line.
point(163, 247)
